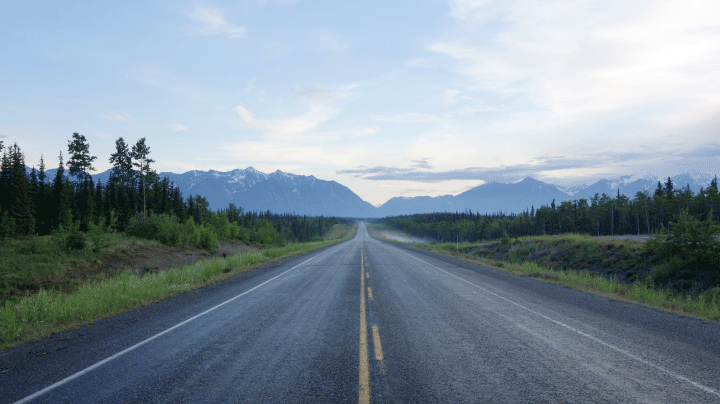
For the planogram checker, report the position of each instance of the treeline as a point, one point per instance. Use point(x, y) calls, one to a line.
point(600, 215)
point(134, 199)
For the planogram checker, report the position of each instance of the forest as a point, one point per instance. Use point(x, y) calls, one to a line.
point(602, 215)
point(135, 200)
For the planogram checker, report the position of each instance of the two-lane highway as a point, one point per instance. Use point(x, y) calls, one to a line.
point(368, 321)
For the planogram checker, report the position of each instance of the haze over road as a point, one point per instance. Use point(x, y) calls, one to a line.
point(371, 321)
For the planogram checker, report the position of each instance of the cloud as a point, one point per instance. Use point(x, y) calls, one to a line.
point(579, 59)
point(114, 116)
point(549, 167)
point(320, 102)
point(250, 85)
point(177, 127)
point(364, 131)
point(8, 106)
point(408, 117)
point(214, 23)
point(449, 96)
point(298, 124)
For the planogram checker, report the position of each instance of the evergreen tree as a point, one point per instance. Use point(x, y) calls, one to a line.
point(122, 162)
point(21, 205)
point(140, 152)
point(60, 198)
point(80, 162)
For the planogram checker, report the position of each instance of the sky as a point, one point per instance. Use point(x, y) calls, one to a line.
point(387, 98)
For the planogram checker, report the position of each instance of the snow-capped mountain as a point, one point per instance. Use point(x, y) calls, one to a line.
point(281, 192)
point(495, 197)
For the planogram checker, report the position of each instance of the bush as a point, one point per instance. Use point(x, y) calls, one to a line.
point(689, 241)
point(75, 240)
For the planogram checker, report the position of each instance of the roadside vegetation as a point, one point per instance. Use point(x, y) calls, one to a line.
point(50, 310)
point(55, 234)
point(678, 269)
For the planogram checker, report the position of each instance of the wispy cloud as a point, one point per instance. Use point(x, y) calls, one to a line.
point(449, 96)
point(578, 59)
point(8, 106)
point(212, 22)
point(115, 116)
point(177, 127)
point(408, 117)
point(704, 158)
point(250, 85)
point(297, 124)
point(321, 106)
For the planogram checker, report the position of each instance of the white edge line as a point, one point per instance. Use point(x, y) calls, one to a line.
point(613, 347)
point(141, 343)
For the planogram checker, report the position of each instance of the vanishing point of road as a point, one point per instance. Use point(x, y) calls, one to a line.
point(369, 321)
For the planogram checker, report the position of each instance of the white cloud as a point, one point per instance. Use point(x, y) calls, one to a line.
point(576, 59)
point(214, 23)
point(288, 126)
point(115, 116)
point(177, 127)
point(449, 96)
point(407, 117)
point(8, 106)
point(250, 85)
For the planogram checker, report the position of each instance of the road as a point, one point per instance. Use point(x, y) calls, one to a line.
point(368, 321)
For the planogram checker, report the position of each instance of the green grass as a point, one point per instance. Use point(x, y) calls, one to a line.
point(28, 263)
point(591, 260)
point(49, 311)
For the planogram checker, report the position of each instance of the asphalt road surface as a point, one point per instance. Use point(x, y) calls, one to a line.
point(368, 321)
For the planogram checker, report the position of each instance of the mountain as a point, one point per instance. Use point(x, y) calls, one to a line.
point(282, 192)
point(401, 205)
point(494, 197)
point(277, 192)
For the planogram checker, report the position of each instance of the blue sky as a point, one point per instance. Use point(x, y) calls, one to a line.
point(387, 98)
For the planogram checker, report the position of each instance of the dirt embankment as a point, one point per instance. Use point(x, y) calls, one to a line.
point(143, 257)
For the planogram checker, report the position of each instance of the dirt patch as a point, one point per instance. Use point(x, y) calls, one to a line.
point(141, 257)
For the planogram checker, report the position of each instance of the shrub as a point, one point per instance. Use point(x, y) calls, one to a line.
point(75, 240)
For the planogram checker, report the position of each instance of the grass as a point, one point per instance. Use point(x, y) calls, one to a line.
point(618, 269)
point(31, 263)
point(48, 311)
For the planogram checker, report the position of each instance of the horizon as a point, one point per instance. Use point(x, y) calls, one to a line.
point(386, 99)
point(565, 189)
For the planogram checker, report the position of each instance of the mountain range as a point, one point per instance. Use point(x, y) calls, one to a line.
point(281, 192)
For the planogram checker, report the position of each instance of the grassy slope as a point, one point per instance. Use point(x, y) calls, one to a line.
point(36, 316)
point(619, 269)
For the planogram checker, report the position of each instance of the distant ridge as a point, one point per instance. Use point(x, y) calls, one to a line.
point(281, 192)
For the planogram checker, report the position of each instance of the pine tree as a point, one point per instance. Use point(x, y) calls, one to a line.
point(80, 162)
point(140, 152)
point(122, 162)
point(21, 204)
point(60, 198)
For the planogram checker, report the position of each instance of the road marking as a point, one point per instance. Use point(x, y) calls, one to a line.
point(370, 292)
point(376, 341)
point(584, 334)
point(367, 275)
point(141, 343)
point(364, 377)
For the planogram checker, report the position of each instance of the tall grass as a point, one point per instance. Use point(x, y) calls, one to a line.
point(48, 311)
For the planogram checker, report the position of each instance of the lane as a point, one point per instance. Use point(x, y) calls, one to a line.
point(458, 332)
point(368, 321)
point(287, 340)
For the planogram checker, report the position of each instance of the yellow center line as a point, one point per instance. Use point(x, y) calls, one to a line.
point(367, 275)
point(364, 393)
point(376, 340)
point(370, 292)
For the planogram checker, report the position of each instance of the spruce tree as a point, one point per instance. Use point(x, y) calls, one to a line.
point(140, 152)
point(21, 205)
point(80, 161)
point(60, 199)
